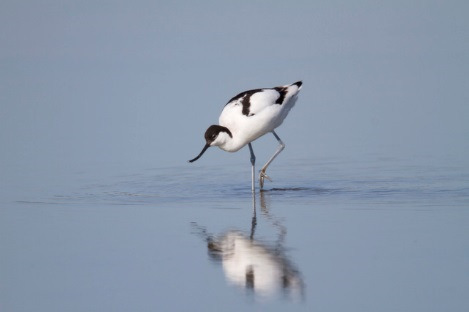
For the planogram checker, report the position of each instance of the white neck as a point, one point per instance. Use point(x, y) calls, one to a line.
point(227, 143)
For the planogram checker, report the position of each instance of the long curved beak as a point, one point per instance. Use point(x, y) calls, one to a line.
point(203, 151)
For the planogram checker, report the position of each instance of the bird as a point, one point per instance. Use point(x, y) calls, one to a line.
point(248, 116)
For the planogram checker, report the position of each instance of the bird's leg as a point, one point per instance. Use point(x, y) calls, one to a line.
point(253, 162)
point(262, 174)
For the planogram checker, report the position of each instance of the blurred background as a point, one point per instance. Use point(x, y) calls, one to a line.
point(119, 84)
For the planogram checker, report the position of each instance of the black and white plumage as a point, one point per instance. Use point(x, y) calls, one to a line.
point(248, 116)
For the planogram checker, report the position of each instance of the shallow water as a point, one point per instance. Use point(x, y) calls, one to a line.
point(325, 235)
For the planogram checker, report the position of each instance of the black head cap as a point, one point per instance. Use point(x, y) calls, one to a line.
point(210, 136)
point(213, 131)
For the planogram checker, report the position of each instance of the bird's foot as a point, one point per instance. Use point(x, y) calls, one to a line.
point(262, 176)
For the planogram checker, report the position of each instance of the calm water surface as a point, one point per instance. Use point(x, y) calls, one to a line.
point(327, 235)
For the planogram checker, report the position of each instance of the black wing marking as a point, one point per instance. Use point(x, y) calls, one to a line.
point(245, 97)
point(245, 100)
point(283, 92)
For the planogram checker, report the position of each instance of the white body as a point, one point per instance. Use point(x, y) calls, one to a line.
point(248, 116)
point(264, 116)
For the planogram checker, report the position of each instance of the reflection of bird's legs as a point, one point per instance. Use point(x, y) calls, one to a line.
point(276, 222)
point(253, 162)
point(262, 174)
point(264, 206)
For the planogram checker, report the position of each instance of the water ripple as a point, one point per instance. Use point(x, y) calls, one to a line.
point(330, 181)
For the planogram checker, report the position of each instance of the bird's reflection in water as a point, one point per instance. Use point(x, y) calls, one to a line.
point(261, 268)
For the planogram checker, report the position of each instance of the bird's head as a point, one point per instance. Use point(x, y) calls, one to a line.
point(214, 136)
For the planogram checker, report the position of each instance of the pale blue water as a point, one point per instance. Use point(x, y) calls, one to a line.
point(335, 235)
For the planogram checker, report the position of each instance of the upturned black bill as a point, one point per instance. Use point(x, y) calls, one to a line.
point(203, 151)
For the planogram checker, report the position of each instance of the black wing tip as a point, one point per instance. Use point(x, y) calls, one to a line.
point(298, 84)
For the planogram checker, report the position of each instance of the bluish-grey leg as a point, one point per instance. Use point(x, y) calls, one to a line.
point(262, 174)
point(253, 162)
